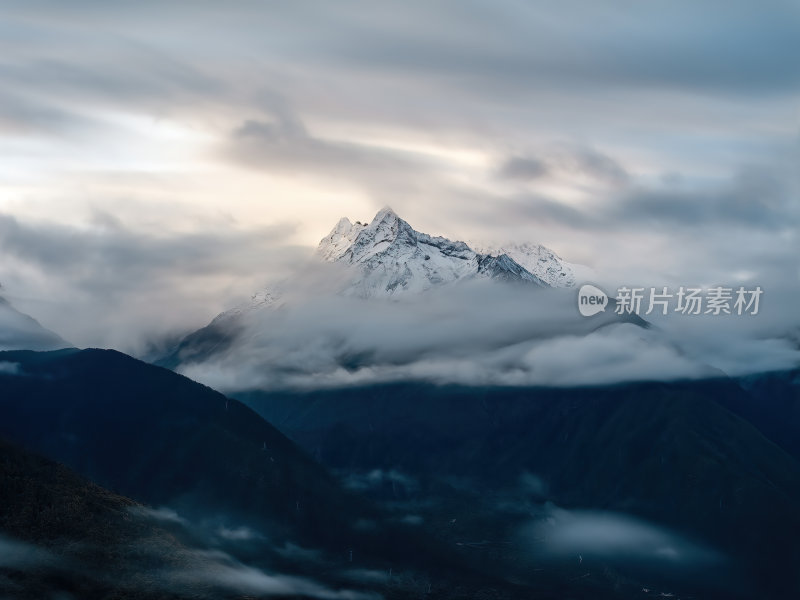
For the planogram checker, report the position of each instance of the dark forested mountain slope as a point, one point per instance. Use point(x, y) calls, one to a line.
point(669, 453)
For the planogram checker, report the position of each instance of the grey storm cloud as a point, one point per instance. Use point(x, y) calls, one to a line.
point(754, 197)
point(598, 165)
point(284, 143)
point(524, 168)
point(26, 116)
point(149, 75)
point(674, 122)
point(679, 45)
point(133, 55)
point(127, 256)
point(570, 160)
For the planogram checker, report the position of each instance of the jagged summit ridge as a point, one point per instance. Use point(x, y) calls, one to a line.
point(387, 257)
point(339, 240)
point(391, 257)
point(386, 233)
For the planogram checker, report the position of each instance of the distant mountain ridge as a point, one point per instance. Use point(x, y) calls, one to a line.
point(667, 452)
point(19, 331)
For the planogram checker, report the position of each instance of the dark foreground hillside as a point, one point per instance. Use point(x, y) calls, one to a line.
point(164, 439)
point(62, 536)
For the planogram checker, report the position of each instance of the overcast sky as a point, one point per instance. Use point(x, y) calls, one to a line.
point(161, 160)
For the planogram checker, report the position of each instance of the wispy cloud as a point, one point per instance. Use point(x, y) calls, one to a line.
point(612, 536)
point(15, 554)
point(162, 513)
point(378, 478)
point(9, 368)
point(117, 286)
point(223, 572)
point(238, 534)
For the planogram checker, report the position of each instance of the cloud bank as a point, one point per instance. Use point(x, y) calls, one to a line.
point(482, 333)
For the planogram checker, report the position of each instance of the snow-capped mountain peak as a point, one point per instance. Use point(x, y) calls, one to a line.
point(336, 243)
point(384, 231)
point(539, 260)
point(388, 256)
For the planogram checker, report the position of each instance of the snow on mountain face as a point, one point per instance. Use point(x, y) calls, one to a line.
point(339, 240)
point(388, 257)
point(538, 260)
